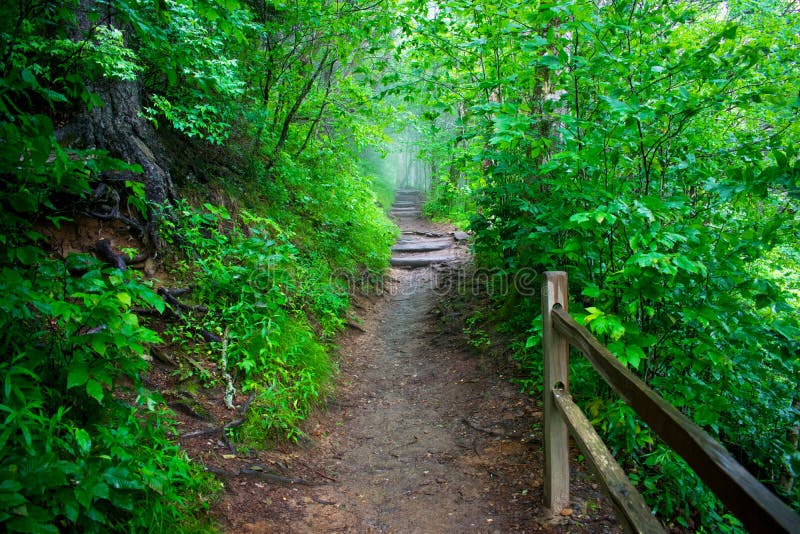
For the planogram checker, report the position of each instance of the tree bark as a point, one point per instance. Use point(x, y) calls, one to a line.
point(118, 127)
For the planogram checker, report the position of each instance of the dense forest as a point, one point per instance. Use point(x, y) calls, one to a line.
point(203, 180)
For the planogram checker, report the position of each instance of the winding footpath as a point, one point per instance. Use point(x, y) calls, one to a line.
point(423, 434)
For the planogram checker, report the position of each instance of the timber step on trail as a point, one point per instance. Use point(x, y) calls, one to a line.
point(422, 434)
point(420, 249)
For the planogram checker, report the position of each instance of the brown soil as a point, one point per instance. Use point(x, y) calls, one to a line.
point(423, 434)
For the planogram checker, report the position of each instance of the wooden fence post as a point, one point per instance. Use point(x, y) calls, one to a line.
point(556, 375)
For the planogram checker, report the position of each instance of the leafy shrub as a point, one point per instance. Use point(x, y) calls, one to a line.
point(83, 443)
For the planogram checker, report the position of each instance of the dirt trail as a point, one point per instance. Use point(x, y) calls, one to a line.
point(423, 435)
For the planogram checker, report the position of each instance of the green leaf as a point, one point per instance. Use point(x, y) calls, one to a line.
point(28, 77)
point(594, 313)
point(83, 440)
point(580, 217)
point(95, 390)
point(10, 486)
point(591, 290)
point(634, 354)
point(534, 43)
point(780, 158)
point(99, 343)
point(617, 105)
point(90, 490)
point(12, 500)
point(730, 31)
point(27, 255)
point(705, 415)
point(24, 201)
point(551, 62)
point(154, 300)
point(121, 478)
point(70, 506)
point(78, 374)
point(686, 264)
point(124, 298)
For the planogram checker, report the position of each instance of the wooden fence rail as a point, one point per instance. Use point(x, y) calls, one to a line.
point(748, 499)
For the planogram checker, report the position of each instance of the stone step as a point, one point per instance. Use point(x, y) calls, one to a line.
point(405, 213)
point(420, 260)
point(422, 246)
point(418, 233)
point(427, 237)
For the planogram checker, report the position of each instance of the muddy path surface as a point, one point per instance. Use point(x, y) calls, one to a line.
point(422, 434)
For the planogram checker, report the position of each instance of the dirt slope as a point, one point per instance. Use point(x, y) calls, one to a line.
point(422, 435)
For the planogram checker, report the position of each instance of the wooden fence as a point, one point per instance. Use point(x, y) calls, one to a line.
point(745, 497)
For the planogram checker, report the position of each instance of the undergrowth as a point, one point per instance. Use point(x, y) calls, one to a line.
point(449, 202)
point(84, 445)
point(278, 286)
point(83, 442)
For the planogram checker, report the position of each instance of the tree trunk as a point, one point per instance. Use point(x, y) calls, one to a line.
point(296, 106)
point(118, 127)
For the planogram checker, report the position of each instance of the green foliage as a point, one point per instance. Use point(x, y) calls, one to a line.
point(109, 52)
point(190, 67)
point(279, 301)
point(449, 201)
point(82, 441)
point(648, 150)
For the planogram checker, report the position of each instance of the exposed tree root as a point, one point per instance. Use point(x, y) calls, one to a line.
point(107, 254)
point(224, 428)
point(490, 432)
point(258, 471)
point(178, 307)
